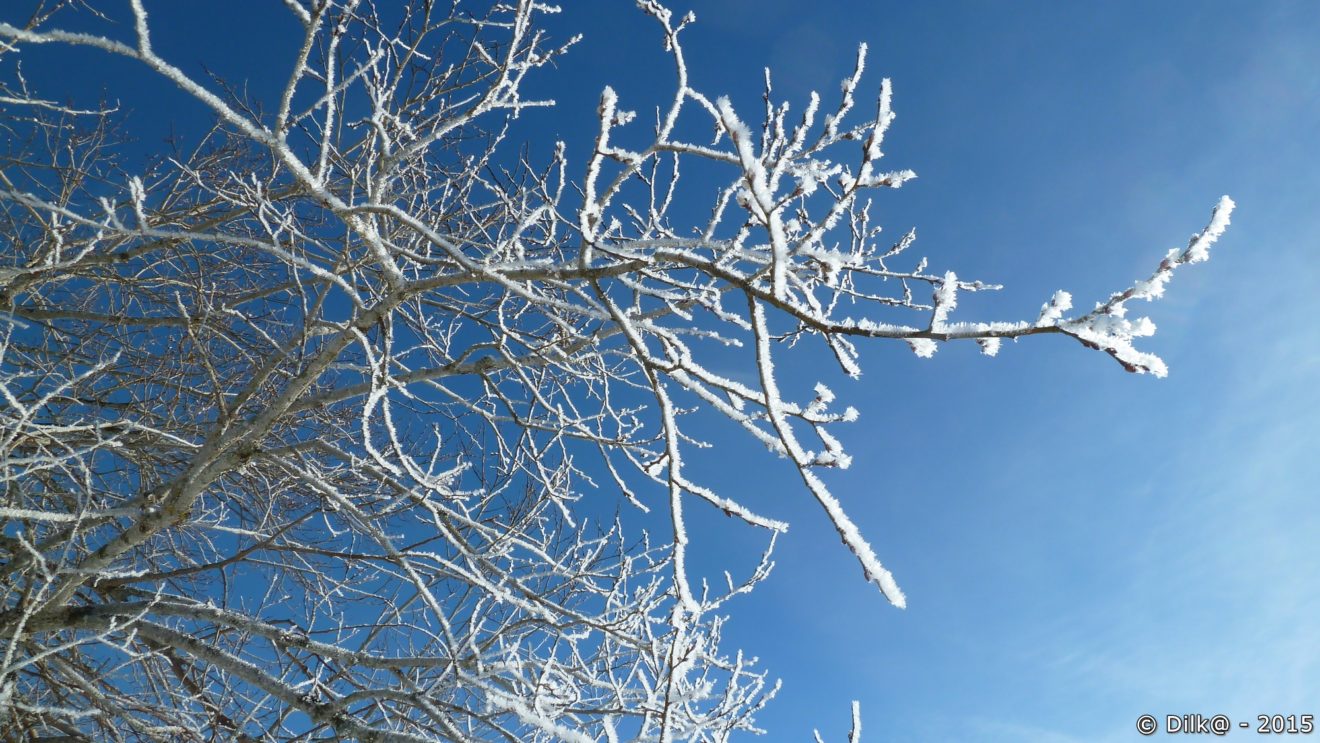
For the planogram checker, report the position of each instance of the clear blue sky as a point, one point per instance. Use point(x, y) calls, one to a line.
point(1079, 546)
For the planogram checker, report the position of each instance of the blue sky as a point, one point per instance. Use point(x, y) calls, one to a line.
point(1079, 546)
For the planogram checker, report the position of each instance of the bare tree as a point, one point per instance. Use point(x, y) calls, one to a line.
point(303, 429)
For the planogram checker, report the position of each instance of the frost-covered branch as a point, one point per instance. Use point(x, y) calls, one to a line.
point(356, 419)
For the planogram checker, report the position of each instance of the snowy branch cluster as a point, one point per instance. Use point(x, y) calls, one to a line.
point(308, 430)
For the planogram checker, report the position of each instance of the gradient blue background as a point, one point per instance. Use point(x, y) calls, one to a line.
point(1079, 546)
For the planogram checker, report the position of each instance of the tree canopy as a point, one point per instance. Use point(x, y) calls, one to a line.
point(312, 430)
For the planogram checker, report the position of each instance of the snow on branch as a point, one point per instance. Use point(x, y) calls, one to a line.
point(1107, 327)
point(356, 420)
